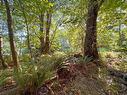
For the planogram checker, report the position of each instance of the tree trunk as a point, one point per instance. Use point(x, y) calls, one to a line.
point(1, 55)
point(11, 35)
point(48, 24)
point(90, 46)
point(27, 27)
point(42, 41)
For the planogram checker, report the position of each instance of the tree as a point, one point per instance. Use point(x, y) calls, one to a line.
point(11, 34)
point(1, 55)
point(90, 45)
point(111, 21)
point(42, 41)
point(27, 27)
point(48, 25)
point(45, 36)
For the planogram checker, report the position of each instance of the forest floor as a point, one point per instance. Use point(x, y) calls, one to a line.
point(80, 79)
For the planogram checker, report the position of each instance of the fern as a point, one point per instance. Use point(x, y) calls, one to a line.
point(84, 60)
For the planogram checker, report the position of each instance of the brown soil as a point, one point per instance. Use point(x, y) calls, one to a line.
point(75, 79)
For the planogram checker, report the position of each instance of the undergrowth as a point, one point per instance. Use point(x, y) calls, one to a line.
point(32, 75)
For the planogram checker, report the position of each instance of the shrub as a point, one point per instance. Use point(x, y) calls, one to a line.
point(31, 76)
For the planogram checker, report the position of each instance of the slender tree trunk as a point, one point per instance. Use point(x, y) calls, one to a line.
point(28, 36)
point(90, 46)
point(27, 27)
point(48, 24)
point(1, 55)
point(42, 41)
point(11, 35)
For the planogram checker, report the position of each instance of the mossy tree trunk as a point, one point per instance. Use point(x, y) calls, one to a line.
point(90, 45)
point(11, 35)
point(48, 26)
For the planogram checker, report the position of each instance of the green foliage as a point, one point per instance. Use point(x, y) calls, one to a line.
point(35, 74)
point(85, 60)
point(123, 66)
point(4, 74)
point(31, 75)
point(25, 58)
point(58, 58)
point(7, 58)
point(55, 60)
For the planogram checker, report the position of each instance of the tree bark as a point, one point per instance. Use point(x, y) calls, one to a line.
point(90, 46)
point(1, 55)
point(48, 24)
point(42, 41)
point(11, 35)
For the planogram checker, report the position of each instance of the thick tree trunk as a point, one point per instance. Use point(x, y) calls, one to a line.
point(48, 24)
point(42, 41)
point(90, 46)
point(1, 55)
point(11, 35)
